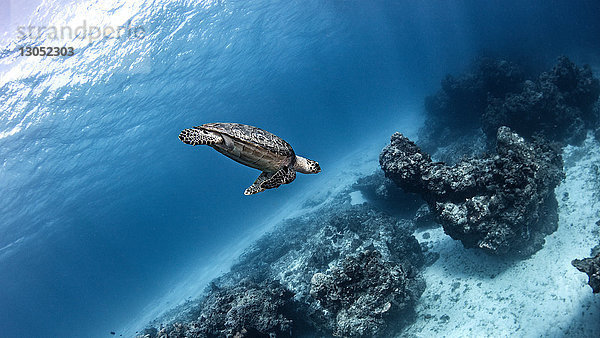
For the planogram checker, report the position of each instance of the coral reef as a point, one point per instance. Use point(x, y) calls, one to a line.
point(455, 111)
point(327, 238)
point(558, 104)
point(377, 251)
point(503, 204)
point(361, 292)
point(462, 100)
point(244, 310)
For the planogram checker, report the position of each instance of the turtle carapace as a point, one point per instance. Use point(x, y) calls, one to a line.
point(255, 148)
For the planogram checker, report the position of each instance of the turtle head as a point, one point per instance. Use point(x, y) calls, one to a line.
point(306, 166)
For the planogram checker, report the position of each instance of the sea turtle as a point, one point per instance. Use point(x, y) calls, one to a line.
point(255, 148)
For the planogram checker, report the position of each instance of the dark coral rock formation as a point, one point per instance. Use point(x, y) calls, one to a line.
point(458, 106)
point(503, 204)
point(244, 310)
point(591, 266)
point(559, 105)
point(462, 100)
point(363, 291)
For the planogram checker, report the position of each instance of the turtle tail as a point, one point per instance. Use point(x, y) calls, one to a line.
point(196, 136)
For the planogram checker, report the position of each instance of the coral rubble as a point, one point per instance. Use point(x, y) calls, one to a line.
point(503, 204)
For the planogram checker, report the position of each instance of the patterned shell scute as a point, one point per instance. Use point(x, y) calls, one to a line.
point(254, 135)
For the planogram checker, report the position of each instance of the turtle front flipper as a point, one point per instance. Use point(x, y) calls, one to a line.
point(256, 187)
point(266, 180)
point(196, 136)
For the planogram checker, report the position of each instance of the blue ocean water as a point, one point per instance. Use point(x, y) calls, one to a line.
point(102, 208)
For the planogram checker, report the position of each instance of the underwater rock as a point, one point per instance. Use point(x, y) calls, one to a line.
point(591, 266)
point(503, 204)
point(245, 310)
point(462, 100)
point(454, 112)
point(559, 105)
point(363, 291)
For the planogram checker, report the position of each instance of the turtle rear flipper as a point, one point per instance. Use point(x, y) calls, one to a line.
point(195, 136)
point(266, 180)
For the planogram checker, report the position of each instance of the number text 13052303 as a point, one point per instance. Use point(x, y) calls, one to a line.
point(47, 51)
